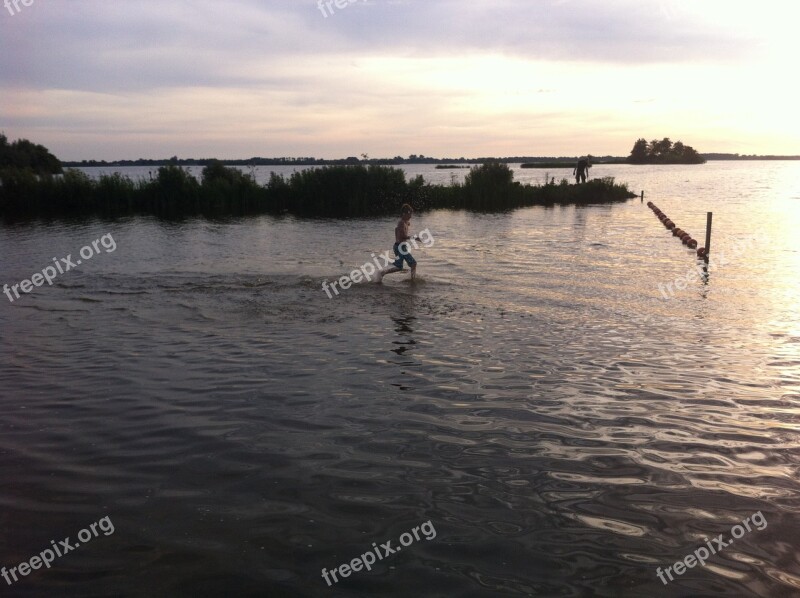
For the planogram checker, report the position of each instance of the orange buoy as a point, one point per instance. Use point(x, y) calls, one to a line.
point(692, 244)
point(669, 223)
point(686, 240)
point(701, 252)
point(677, 232)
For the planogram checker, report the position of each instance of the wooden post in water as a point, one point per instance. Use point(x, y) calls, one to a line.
point(642, 196)
point(709, 216)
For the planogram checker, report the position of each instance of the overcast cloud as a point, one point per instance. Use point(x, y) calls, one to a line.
point(113, 79)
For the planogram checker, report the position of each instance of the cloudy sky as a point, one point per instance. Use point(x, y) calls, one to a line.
point(116, 79)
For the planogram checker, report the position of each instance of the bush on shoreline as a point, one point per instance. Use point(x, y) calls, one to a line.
point(331, 191)
point(26, 155)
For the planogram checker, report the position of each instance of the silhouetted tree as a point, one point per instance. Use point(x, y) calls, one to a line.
point(25, 155)
point(663, 147)
point(639, 152)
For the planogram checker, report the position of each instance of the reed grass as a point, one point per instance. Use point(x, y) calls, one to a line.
point(330, 191)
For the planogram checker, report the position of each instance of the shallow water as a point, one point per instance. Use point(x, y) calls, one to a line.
point(564, 427)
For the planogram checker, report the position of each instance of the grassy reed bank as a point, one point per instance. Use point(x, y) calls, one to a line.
point(333, 191)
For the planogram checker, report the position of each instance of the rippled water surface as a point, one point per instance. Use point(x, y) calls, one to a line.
point(566, 424)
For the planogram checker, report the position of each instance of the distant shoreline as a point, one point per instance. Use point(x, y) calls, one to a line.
point(533, 162)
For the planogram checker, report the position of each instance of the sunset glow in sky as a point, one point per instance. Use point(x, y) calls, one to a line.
point(241, 78)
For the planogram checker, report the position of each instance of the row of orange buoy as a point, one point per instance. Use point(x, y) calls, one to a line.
point(685, 237)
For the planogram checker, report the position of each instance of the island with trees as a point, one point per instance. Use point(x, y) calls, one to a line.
point(663, 152)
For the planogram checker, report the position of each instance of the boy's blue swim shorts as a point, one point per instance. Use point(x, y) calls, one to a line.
point(402, 253)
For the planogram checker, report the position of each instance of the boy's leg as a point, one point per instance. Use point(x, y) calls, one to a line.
point(412, 264)
point(391, 270)
point(397, 265)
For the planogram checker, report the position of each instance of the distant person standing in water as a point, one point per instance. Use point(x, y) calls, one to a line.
point(581, 169)
point(401, 238)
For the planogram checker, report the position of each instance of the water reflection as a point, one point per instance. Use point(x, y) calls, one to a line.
point(403, 326)
point(403, 323)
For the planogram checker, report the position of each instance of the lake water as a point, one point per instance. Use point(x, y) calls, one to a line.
point(566, 425)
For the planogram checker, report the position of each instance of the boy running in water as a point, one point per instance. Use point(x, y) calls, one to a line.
point(401, 238)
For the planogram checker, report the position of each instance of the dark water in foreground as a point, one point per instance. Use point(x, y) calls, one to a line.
point(564, 427)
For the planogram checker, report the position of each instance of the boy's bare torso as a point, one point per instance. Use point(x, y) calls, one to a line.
point(401, 231)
